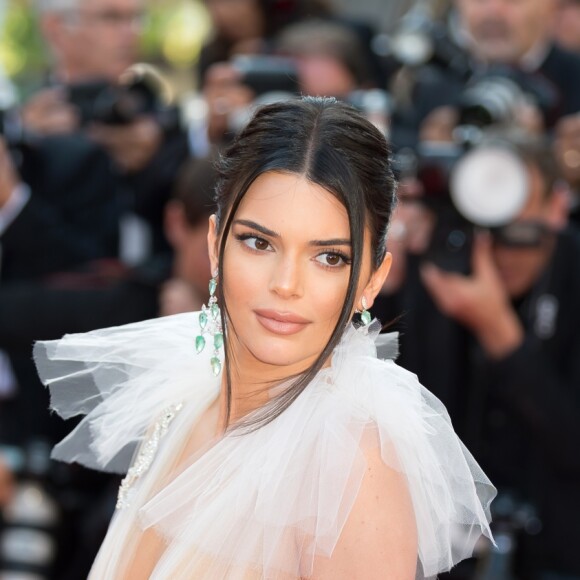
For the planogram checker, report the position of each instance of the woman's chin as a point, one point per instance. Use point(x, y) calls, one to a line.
point(281, 355)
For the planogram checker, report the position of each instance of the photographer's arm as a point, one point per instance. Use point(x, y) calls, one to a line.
point(479, 302)
point(547, 401)
point(49, 113)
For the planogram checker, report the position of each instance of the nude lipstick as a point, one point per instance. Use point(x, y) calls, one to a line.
point(284, 323)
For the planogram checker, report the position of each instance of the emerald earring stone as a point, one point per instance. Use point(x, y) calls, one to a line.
point(365, 317)
point(216, 365)
point(218, 340)
point(215, 311)
point(212, 286)
point(199, 343)
point(202, 320)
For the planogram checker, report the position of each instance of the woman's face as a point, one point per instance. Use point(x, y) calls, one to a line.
point(286, 271)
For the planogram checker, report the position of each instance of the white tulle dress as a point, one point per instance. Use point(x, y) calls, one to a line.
point(268, 503)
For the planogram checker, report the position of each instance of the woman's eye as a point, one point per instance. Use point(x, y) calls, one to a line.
point(256, 243)
point(332, 259)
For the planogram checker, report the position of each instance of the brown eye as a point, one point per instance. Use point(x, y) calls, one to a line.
point(255, 243)
point(332, 259)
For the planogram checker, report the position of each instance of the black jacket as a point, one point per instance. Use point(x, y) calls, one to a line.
point(31, 311)
point(72, 216)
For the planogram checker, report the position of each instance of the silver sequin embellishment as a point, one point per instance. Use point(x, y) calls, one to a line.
point(146, 454)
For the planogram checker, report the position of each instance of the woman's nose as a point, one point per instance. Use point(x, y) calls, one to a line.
point(287, 278)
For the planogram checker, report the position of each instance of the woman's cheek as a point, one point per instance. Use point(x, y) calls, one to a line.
point(329, 292)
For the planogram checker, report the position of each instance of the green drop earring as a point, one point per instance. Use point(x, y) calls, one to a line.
point(210, 322)
point(365, 315)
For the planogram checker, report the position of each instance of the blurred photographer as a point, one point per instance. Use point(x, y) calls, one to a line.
point(509, 38)
point(567, 25)
point(314, 57)
point(500, 336)
point(251, 26)
point(501, 62)
point(97, 90)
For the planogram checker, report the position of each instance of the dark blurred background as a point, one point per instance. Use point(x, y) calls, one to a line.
point(112, 113)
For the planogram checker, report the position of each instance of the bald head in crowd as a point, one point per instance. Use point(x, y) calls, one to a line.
point(91, 38)
point(504, 31)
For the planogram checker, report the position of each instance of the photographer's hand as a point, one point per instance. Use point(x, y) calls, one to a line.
point(479, 302)
point(131, 146)
point(8, 177)
point(49, 113)
point(224, 93)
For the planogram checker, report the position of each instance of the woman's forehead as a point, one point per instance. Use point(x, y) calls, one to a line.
point(289, 201)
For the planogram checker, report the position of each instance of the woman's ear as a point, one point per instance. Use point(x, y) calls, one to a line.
point(377, 280)
point(212, 243)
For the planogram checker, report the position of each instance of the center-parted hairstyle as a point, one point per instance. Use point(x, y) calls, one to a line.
point(335, 147)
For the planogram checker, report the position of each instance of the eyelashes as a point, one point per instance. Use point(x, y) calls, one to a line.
point(331, 259)
point(343, 259)
point(255, 243)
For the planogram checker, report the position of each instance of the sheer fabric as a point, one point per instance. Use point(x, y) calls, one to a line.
point(264, 504)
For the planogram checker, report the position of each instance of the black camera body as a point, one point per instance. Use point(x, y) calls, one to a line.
point(452, 238)
point(102, 102)
point(493, 99)
point(138, 93)
point(267, 74)
point(468, 188)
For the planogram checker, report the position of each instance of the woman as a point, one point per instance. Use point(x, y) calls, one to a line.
point(305, 456)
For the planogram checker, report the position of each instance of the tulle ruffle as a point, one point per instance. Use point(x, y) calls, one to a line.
point(264, 504)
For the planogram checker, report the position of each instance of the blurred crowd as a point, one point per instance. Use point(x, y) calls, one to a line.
point(106, 186)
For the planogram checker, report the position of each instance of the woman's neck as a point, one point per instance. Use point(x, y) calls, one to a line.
point(253, 383)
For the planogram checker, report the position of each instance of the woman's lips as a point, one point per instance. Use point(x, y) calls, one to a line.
point(285, 323)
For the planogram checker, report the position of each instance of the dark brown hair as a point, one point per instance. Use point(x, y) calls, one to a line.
point(334, 146)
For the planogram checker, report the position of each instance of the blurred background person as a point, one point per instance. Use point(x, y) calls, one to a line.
point(317, 57)
point(567, 25)
point(495, 63)
point(330, 58)
point(92, 93)
point(251, 26)
point(503, 37)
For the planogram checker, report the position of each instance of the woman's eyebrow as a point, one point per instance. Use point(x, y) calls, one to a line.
point(262, 229)
point(331, 242)
point(268, 232)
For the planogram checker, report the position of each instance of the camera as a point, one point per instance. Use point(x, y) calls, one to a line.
point(139, 92)
point(469, 188)
point(494, 99)
point(267, 74)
